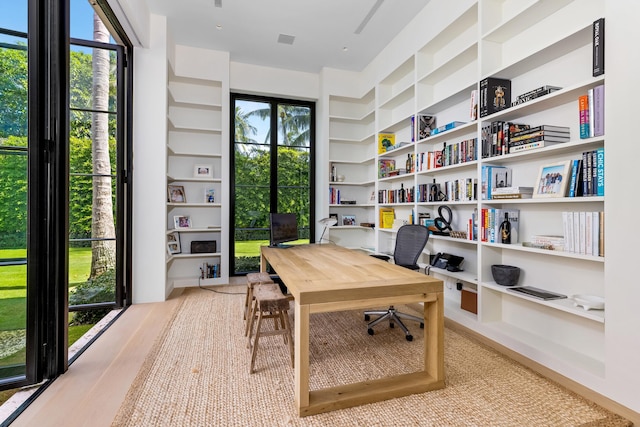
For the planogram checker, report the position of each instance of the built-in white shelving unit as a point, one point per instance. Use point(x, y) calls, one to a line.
point(531, 43)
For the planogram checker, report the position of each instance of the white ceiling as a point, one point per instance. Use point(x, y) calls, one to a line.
point(322, 29)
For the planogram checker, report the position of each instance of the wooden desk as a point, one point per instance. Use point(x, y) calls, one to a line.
point(328, 277)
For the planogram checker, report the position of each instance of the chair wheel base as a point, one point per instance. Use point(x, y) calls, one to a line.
point(367, 317)
point(370, 331)
point(391, 325)
point(409, 337)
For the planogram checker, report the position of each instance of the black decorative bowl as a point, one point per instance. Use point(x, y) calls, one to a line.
point(505, 275)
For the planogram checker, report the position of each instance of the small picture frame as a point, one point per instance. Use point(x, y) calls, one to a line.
point(176, 194)
point(348, 220)
point(173, 243)
point(553, 180)
point(203, 171)
point(181, 221)
point(334, 215)
point(209, 195)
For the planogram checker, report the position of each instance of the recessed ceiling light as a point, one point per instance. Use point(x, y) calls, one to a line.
point(218, 3)
point(218, 27)
point(286, 39)
point(344, 49)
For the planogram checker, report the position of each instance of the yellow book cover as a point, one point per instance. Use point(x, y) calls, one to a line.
point(387, 216)
point(386, 142)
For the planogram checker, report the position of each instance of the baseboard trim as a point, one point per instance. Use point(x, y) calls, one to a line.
point(551, 375)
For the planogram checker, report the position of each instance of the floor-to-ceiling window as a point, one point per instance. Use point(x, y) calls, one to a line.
point(272, 171)
point(64, 194)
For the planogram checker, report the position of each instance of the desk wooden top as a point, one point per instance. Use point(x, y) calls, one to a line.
point(327, 273)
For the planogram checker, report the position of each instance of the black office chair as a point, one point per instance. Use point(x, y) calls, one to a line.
point(410, 241)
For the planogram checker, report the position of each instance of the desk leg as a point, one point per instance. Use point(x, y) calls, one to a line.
point(301, 356)
point(434, 338)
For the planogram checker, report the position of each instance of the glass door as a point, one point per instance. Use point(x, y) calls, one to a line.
point(13, 191)
point(272, 146)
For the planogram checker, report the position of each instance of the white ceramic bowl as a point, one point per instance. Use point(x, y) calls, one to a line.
point(588, 302)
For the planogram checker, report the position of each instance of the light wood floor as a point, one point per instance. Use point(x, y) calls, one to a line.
point(92, 390)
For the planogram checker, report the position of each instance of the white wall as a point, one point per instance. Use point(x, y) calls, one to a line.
point(255, 79)
point(149, 165)
point(135, 19)
point(622, 62)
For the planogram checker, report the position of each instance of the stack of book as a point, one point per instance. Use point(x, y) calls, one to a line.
point(537, 137)
point(512, 193)
point(535, 93)
point(544, 241)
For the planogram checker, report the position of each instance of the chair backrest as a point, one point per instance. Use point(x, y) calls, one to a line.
point(410, 241)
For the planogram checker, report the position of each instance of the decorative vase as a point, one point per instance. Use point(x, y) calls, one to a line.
point(505, 275)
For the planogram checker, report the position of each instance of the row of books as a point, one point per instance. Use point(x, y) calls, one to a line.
point(587, 174)
point(491, 220)
point(584, 232)
point(334, 196)
point(591, 112)
point(399, 195)
point(494, 177)
point(500, 138)
point(209, 271)
point(451, 154)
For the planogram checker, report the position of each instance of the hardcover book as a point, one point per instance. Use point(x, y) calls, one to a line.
point(598, 47)
point(600, 171)
point(495, 95)
point(386, 142)
point(583, 111)
point(598, 110)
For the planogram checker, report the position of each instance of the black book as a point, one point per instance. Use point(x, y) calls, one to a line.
point(524, 99)
point(598, 47)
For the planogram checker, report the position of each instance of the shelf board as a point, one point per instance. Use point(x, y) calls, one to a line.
point(171, 178)
point(206, 129)
point(396, 177)
point(549, 151)
point(519, 247)
point(565, 305)
point(469, 127)
point(192, 256)
point(459, 275)
point(354, 162)
point(465, 165)
point(408, 147)
point(449, 203)
point(176, 152)
point(195, 205)
point(545, 200)
point(452, 239)
point(349, 227)
point(357, 205)
point(195, 230)
point(360, 184)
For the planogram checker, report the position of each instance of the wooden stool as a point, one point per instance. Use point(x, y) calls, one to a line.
point(269, 302)
point(252, 280)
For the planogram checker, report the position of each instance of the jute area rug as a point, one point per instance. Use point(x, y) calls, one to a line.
point(198, 375)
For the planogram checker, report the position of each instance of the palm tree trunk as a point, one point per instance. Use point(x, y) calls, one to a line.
point(103, 253)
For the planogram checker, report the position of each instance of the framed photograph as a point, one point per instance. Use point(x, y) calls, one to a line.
point(348, 220)
point(209, 195)
point(334, 215)
point(203, 171)
point(173, 248)
point(181, 221)
point(553, 180)
point(176, 194)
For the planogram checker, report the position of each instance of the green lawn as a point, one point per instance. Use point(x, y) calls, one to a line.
point(252, 247)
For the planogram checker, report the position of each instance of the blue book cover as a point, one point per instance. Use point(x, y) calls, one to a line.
point(575, 164)
point(600, 171)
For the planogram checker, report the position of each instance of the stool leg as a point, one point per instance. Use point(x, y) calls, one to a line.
point(252, 315)
point(288, 337)
point(247, 301)
point(254, 351)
